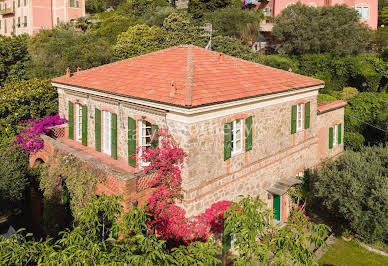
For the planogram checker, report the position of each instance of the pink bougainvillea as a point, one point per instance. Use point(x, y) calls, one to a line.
point(168, 218)
point(28, 139)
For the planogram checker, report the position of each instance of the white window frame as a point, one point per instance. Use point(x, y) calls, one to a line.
point(141, 125)
point(335, 135)
point(107, 132)
point(300, 174)
point(237, 150)
point(299, 116)
point(363, 15)
point(78, 122)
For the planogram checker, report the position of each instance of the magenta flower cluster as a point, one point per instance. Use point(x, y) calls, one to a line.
point(29, 138)
point(167, 217)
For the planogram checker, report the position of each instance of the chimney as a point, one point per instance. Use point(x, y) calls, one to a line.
point(220, 57)
point(172, 89)
point(78, 69)
point(68, 73)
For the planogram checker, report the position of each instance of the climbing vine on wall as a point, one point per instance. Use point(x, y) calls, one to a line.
point(80, 181)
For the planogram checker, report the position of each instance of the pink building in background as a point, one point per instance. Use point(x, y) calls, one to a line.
point(366, 8)
point(29, 16)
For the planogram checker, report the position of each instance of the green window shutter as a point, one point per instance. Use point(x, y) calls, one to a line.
point(248, 134)
point(131, 141)
point(97, 128)
point(293, 119)
point(84, 125)
point(71, 120)
point(155, 142)
point(339, 133)
point(114, 136)
point(227, 141)
point(307, 115)
point(330, 138)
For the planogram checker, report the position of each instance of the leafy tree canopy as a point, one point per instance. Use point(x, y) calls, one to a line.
point(333, 29)
point(155, 16)
point(24, 100)
point(142, 39)
point(94, 6)
point(138, 8)
point(354, 188)
point(54, 50)
point(364, 113)
point(13, 56)
point(198, 7)
point(113, 26)
point(230, 21)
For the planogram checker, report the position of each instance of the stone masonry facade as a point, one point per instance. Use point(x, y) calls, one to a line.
point(207, 177)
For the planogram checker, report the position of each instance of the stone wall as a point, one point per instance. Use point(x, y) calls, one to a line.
point(276, 154)
point(327, 120)
point(122, 110)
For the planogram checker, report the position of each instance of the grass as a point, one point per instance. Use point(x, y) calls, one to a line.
point(351, 253)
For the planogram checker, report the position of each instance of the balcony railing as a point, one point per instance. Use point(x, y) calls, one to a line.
point(7, 11)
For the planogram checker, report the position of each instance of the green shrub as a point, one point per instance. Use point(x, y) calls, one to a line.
point(323, 98)
point(354, 188)
point(156, 16)
point(279, 61)
point(353, 140)
point(111, 27)
point(13, 179)
point(231, 46)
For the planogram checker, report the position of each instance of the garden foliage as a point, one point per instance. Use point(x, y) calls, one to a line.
point(354, 188)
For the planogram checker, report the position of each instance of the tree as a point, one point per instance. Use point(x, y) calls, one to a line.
point(198, 7)
point(93, 241)
point(25, 100)
point(138, 8)
point(384, 16)
point(156, 16)
point(13, 56)
point(52, 51)
point(365, 114)
point(138, 40)
point(354, 188)
point(13, 178)
point(113, 26)
point(335, 29)
point(142, 39)
point(230, 21)
point(232, 46)
point(256, 240)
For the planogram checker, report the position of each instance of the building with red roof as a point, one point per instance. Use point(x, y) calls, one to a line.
point(248, 129)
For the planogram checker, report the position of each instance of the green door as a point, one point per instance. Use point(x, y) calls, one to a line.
point(276, 207)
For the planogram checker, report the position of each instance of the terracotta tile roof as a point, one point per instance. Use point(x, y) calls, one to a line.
point(325, 107)
point(201, 77)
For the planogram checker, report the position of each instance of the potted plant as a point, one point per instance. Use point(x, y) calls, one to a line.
point(346, 235)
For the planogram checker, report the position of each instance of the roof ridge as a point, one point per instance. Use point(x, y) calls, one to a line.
point(189, 76)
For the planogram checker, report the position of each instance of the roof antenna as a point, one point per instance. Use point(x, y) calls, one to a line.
point(209, 29)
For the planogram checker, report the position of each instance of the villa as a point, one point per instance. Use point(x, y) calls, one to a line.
point(248, 129)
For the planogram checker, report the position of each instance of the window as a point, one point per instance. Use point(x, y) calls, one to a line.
point(57, 20)
point(107, 131)
point(77, 4)
point(267, 12)
point(299, 174)
point(18, 3)
point(299, 120)
point(18, 22)
point(25, 21)
point(25, 2)
point(78, 122)
point(71, 3)
point(335, 135)
point(145, 135)
point(363, 12)
point(236, 136)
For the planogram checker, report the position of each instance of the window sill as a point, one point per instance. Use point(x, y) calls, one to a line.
point(236, 153)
